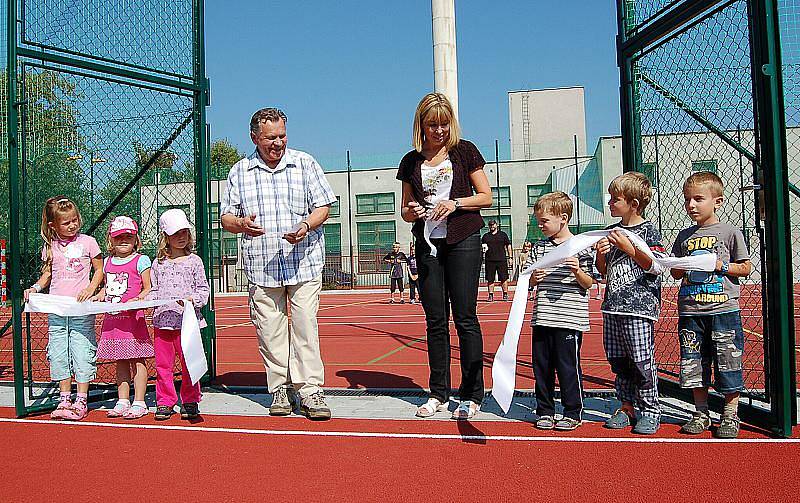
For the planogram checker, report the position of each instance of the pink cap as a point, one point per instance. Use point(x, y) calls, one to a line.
point(173, 220)
point(122, 225)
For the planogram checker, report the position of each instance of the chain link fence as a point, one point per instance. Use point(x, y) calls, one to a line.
point(109, 114)
point(694, 103)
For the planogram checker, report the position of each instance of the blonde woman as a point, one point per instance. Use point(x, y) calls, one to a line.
point(444, 184)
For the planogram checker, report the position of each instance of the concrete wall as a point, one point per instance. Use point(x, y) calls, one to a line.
point(542, 123)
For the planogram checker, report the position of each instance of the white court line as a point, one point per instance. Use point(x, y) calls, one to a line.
point(411, 436)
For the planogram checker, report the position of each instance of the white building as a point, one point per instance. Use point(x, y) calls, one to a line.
point(366, 219)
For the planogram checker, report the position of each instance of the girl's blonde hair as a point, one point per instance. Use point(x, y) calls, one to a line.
point(136, 246)
point(54, 209)
point(435, 106)
point(163, 245)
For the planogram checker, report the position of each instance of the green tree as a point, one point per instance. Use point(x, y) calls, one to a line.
point(223, 156)
point(53, 147)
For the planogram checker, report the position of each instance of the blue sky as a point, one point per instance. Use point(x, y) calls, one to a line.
point(349, 74)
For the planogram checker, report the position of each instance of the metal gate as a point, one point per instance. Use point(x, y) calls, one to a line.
point(105, 103)
point(701, 89)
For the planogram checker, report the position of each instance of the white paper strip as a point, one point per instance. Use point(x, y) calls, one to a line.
point(504, 366)
point(192, 344)
point(61, 305)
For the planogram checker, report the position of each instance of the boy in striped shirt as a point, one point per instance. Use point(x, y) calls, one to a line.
point(560, 316)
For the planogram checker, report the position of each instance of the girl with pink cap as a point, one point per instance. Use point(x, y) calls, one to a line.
point(178, 273)
point(124, 336)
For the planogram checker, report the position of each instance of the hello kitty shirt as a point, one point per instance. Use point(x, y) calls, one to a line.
point(72, 262)
point(124, 335)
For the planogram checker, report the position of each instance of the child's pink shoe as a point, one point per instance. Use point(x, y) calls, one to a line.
point(135, 412)
point(78, 411)
point(64, 405)
point(119, 410)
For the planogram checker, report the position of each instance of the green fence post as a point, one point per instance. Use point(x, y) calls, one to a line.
point(629, 116)
point(768, 90)
point(15, 257)
point(200, 101)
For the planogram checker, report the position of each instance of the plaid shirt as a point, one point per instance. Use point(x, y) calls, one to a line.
point(279, 198)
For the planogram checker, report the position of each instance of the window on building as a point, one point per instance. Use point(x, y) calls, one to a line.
point(335, 208)
point(186, 208)
point(375, 204)
point(705, 165)
point(214, 213)
point(651, 172)
point(503, 220)
point(501, 197)
point(223, 245)
point(374, 241)
point(533, 234)
point(230, 244)
point(333, 239)
point(535, 192)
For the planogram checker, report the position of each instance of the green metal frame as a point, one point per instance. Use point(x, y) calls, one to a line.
point(771, 124)
point(195, 86)
point(632, 42)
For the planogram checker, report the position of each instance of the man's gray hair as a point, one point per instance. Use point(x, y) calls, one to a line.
point(264, 115)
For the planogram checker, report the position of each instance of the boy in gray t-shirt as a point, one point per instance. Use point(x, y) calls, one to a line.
point(709, 326)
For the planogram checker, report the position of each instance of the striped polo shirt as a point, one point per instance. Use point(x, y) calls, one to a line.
point(560, 301)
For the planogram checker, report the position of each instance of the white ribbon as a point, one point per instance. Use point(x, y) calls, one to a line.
point(504, 367)
point(191, 343)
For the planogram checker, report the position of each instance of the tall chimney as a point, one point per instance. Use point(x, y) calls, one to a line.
point(445, 65)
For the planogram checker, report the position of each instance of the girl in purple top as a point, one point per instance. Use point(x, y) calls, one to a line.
point(68, 257)
point(177, 274)
point(124, 337)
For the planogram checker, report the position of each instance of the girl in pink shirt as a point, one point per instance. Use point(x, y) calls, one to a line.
point(177, 274)
point(68, 257)
point(125, 337)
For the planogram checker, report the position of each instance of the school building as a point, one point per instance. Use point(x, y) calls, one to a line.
point(548, 148)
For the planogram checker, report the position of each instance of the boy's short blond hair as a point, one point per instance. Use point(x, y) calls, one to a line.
point(554, 203)
point(632, 185)
point(705, 179)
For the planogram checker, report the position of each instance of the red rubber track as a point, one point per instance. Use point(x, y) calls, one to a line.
point(62, 461)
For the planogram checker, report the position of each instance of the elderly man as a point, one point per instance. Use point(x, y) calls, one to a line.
point(278, 198)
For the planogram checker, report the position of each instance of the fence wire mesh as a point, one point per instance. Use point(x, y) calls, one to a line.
point(111, 143)
point(694, 93)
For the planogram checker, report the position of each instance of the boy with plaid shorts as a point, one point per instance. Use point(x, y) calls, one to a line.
point(631, 305)
point(709, 326)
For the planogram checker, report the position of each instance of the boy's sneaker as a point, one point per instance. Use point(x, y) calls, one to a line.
point(566, 424)
point(64, 405)
point(620, 419)
point(545, 423)
point(281, 402)
point(163, 412)
point(728, 427)
point(78, 411)
point(314, 407)
point(190, 411)
point(647, 425)
point(491, 297)
point(505, 296)
point(402, 301)
point(699, 423)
